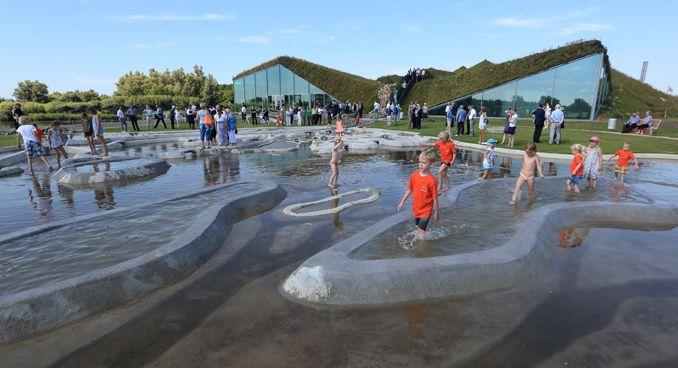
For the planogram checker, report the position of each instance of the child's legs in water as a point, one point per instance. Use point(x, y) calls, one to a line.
point(422, 224)
point(567, 184)
point(442, 176)
point(516, 191)
point(530, 186)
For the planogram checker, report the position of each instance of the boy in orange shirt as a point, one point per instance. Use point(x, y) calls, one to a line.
point(422, 186)
point(576, 168)
point(623, 160)
point(447, 155)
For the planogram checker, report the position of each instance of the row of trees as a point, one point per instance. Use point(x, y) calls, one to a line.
point(175, 84)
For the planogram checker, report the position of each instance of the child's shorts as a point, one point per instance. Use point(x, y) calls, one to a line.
point(421, 223)
point(448, 164)
point(574, 179)
point(620, 169)
point(33, 149)
point(487, 166)
point(512, 130)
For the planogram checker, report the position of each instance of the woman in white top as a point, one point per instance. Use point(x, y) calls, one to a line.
point(513, 122)
point(482, 124)
point(547, 109)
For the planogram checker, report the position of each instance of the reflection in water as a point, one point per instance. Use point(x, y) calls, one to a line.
point(618, 192)
point(572, 237)
point(104, 198)
point(334, 204)
point(41, 195)
point(417, 316)
point(221, 169)
point(66, 195)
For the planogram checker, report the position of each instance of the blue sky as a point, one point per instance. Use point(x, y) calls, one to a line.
point(83, 44)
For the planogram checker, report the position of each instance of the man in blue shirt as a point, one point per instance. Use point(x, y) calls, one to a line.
point(159, 118)
point(461, 118)
point(557, 117)
point(631, 124)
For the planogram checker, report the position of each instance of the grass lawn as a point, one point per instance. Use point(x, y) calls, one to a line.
point(574, 132)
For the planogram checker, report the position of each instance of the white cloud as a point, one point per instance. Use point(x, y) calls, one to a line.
point(411, 28)
point(90, 80)
point(175, 17)
point(259, 40)
point(585, 27)
point(520, 21)
point(288, 31)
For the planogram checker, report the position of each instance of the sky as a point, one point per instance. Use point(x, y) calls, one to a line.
point(89, 44)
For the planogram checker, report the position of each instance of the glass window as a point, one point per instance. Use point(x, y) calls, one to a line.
point(262, 90)
point(239, 90)
point(300, 85)
point(273, 80)
point(575, 86)
point(534, 90)
point(286, 81)
point(499, 99)
point(249, 89)
point(315, 90)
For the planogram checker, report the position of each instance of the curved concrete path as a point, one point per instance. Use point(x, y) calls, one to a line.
point(333, 278)
point(59, 303)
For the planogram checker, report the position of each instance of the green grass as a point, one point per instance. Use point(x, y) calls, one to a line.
point(574, 132)
point(629, 95)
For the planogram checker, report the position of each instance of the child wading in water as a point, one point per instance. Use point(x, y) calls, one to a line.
point(488, 158)
point(31, 145)
point(576, 168)
point(55, 141)
point(422, 186)
point(531, 161)
point(340, 128)
point(623, 156)
point(593, 162)
point(447, 156)
point(334, 164)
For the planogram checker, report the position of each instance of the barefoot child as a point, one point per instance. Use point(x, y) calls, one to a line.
point(33, 149)
point(593, 162)
point(55, 142)
point(531, 161)
point(576, 168)
point(334, 164)
point(623, 156)
point(340, 128)
point(422, 186)
point(488, 158)
point(447, 155)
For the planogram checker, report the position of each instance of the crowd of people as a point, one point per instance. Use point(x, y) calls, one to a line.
point(301, 115)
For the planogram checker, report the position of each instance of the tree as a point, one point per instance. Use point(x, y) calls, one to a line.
point(34, 91)
point(75, 96)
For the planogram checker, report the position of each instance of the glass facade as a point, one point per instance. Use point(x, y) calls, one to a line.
point(581, 86)
point(276, 86)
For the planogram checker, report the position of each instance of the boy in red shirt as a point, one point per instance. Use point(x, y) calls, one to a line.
point(623, 160)
point(576, 168)
point(447, 155)
point(422, 186)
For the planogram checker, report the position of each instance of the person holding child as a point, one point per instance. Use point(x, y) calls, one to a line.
point(31, 146)
point(424, 190)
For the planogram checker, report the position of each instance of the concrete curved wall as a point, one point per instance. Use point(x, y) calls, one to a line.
point(69, 176)
point(333, 278)
point(57, 304)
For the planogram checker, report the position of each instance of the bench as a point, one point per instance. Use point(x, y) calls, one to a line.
point(650, 130)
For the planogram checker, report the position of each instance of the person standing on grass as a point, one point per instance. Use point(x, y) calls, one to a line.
point(556, 120)
point(98, 129)
point(122, 119)
point(396, 113)
point(132, 116)
point(190, 117)
point(31, 146)
point(172, 116)
point(472, 114)
point(461, 118)
point(482, 124)
point(539, 118)
point(159, 118)
point(148, 113)
point(449, 118)
point(243, 112)
point(513, 123)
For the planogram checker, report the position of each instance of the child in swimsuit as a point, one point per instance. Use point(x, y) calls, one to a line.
point(334, 164)
point(576, 168)
point(340, 128)
point(531, 161)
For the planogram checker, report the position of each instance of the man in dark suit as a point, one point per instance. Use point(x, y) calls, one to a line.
point(539, 117)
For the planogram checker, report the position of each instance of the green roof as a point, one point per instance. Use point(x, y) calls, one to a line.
point(441, 86)
point(341, 85)
point(631, 95)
